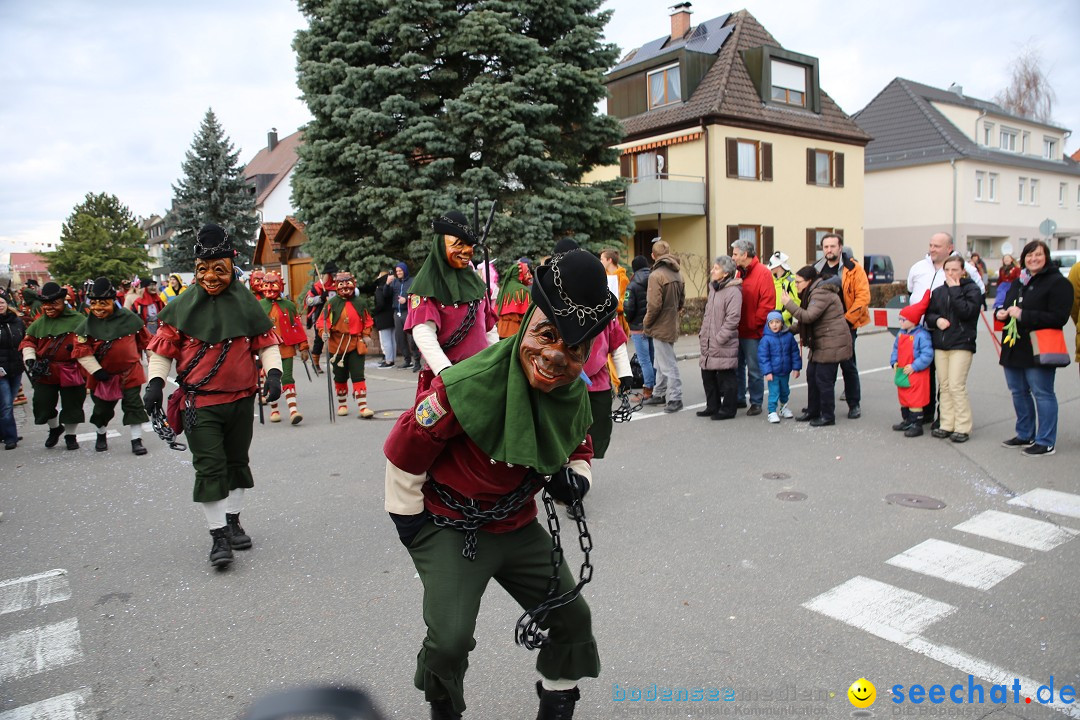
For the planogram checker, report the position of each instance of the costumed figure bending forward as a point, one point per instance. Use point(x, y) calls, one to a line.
point(290, 328)
point(464, 466)
point(213, 332)
point(109, 346)
point(344, 325)
point(53, 372)
point(450, 315)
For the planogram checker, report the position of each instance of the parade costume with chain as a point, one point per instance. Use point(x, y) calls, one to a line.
point(53, 372)
point(344, 325)
point(212, 332)
point(290, 328)
point(450, 315)
point(463, 469)
point(109, 348)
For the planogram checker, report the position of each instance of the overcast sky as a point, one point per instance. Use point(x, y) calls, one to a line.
point(106, 96)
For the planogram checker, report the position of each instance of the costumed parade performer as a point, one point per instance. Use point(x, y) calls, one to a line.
point(463, 468)
point(109, 346)
point(344, 325)
point(53, 372)
point(449, 313)
point(321, 291)
point(293, 337)
point(513, 300)
point(212, 332)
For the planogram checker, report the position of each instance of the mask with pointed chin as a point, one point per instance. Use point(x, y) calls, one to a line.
point(214, 276)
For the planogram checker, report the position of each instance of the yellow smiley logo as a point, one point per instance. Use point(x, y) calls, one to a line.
point(862, 693)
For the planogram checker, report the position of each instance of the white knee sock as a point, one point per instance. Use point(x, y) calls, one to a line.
point(215, 513)
point(235, 502)
point(136, 431)
point(72, 429)
point(54, 422)
point(558, 684)
point(101, 429)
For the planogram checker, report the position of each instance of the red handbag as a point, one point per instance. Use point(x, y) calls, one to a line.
point(70, 374)
point(174, 411)
point(110, 390)
point(1049, 347)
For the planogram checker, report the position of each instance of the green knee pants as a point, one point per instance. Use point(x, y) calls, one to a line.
point(520, 562)
point(286, 372)
point(70, 399)
point(219, 445)
point(130, 403)
point(350, 367)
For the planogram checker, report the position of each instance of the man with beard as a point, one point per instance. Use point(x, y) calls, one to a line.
point(344, 324)
point(490, 433)
point(449, 313)
point(212, 332)
point(109, 346)
point(52, 370)
point(293, 339)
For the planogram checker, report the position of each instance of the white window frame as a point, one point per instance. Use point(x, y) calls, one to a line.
point(751, 150)
point(1025, 143)
point(993, 186)
point(1010, 135)
point(1034, 184)
point(789, 88)
point(664, 71)
point(980, 183)
point(988, 133)
point(1050, 148)
point(830, 181)
point(1063, 194)
point(1023, 192)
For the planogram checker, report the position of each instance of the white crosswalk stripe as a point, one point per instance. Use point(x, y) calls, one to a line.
point(956, 563)
point(40, 649)
point(880, 609)
point(70, 706)
point(33, 590)
point(1017, 530)
point(1050, 501)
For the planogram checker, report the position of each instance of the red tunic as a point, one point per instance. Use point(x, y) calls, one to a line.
point(235, 379)
point(451, 458)
point(291, 335)
point(918, 395)
point(447, 319)
point(343, 336)
point(63, 354)
point(124, 357)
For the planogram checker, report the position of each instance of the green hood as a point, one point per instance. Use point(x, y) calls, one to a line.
point(436, 279)
point(212, 319)
point(122, 322)
point(45, 326)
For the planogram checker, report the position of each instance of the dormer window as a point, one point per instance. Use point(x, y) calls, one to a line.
point(789, 83)
point(664, 86)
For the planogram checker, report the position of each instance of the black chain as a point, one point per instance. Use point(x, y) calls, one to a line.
point(102, 351)
point(458, 335)
point(164, 431)
point(190, 415)
point(528, 633)
point(626, 409)
point(506, 506)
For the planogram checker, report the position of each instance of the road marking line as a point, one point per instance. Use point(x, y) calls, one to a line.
point(61, 707)
point(1051, 501)
point(39, 649)
point(33, 590)
point(956, 563)
point(880, 609)
point(1017, 530)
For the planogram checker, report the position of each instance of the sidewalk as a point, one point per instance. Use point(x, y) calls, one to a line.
point(687, 347)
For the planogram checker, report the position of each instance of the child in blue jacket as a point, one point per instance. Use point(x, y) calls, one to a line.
point(779, 357)
point(912, 355)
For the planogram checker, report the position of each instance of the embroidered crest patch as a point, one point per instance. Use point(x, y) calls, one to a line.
point(414, 301)
point(80, 338)
point(429, 411)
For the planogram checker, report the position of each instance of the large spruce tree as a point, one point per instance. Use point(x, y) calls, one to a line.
point(420, 105)
point(212, 191)
point(100, 238)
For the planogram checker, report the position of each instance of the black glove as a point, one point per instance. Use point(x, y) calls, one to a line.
point(626, 383)
point(408, 526)
point(272, 385)
point(567, 486)
point(153, 396)
point(102, 375)
point(30, 367)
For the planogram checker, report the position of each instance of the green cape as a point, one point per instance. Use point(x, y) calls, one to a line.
point(233, 313)
point(285, 304)
point(512, 289)
point(436, 279)
point(510, 420)
point(45, 326)
point(122, 322)
point(336, 305)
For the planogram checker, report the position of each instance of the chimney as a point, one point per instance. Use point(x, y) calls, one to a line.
point(958, 89)
point(271, 139)
point(680, 20)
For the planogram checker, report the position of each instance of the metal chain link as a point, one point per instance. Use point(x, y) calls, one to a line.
point(190, 415)
point(458, 335)
point(164, 431)
point(506, 506)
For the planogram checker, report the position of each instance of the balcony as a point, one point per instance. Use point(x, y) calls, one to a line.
point(665, 194)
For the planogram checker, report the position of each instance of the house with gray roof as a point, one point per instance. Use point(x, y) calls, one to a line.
point(943, 161)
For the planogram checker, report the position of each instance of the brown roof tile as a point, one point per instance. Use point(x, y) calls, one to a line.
point(277, 162)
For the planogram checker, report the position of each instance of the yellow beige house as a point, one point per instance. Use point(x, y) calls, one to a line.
point(729, 136)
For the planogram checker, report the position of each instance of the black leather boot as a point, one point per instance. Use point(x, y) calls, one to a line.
point(102, 443)
point(70, 442)
point(54, 436)
point(556, 704)
point(221, 553)
point(137, 447)
point(443, 710)
point(239, 539)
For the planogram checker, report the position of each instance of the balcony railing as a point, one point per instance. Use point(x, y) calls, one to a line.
point(664, 194)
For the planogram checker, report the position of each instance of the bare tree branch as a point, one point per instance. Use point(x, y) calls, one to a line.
point(1029, 93)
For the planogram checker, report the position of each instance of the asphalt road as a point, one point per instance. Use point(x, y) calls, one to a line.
point(704, 577)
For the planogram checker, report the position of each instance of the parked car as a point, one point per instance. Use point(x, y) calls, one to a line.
point(879, 269)
point(1063, 260)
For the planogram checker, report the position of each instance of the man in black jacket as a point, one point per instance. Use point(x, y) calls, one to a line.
point(634, 309)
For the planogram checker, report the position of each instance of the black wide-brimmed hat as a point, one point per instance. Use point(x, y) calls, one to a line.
point(572, 290)
point(102, 290)
point(454, 223)
point(213, 243)
point(51, 291)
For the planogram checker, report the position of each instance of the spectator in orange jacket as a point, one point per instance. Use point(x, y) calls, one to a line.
point(855, 294)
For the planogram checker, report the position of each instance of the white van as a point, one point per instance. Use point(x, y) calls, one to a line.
point(1064, 260)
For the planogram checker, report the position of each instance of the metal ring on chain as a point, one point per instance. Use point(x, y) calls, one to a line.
point(474, 517)
point(626, 409)
point(572, 308)
point(164, 431)
point(463, 330)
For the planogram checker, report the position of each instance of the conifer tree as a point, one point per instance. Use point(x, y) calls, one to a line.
point(420, 105)
point(212, 191)
point(100, 238)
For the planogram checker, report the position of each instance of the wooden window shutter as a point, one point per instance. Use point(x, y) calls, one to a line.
point(811, 245)
point(766, 161)
point(838, 175)
point(732, 236)
point(811, 166)
point(766, 243)
point(626, 164)
point(732, 146)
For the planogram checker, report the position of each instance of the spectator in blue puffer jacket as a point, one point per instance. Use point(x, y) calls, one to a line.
point(779, 357)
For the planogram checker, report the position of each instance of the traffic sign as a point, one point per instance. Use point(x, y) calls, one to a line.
point(1047, 227)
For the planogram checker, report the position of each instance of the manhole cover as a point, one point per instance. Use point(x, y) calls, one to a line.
point(791, 496)
point(775, 476)
point(922, 502)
